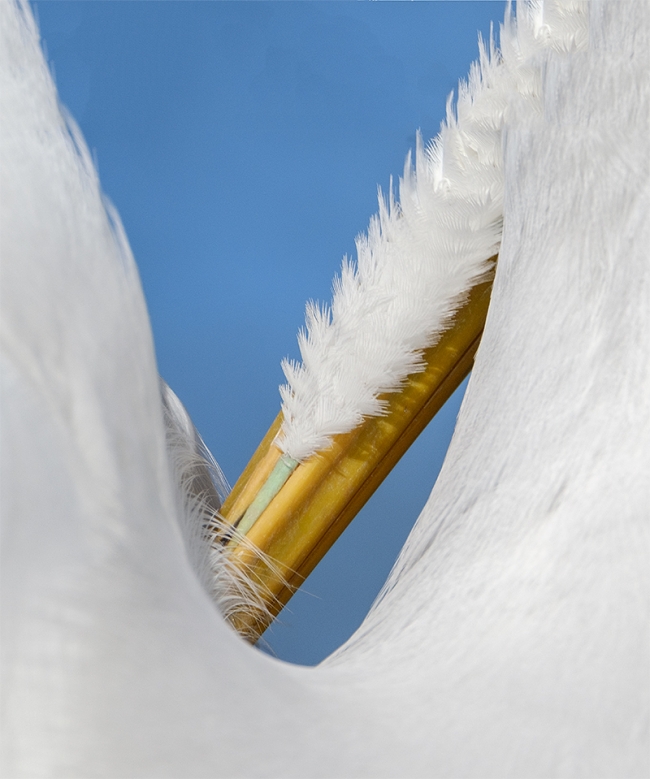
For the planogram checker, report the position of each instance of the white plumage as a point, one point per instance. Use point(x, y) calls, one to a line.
point(423, 253)
point(512, 636)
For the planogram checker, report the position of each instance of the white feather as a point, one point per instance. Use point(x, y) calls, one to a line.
point(201, 488)
point(421, 255)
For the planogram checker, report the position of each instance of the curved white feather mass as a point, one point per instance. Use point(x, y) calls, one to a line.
point(512, 638)
point(423, 253)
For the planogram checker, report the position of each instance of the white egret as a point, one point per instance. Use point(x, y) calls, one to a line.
point(511, 638)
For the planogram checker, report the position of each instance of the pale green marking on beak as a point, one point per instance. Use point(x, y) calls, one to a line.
point(283, 469)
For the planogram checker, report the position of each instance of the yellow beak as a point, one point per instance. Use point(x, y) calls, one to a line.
point(295, 522)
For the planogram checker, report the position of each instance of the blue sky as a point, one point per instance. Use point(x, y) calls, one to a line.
point(243, 143)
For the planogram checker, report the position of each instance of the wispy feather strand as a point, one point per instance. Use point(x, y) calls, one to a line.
point(423, 252)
